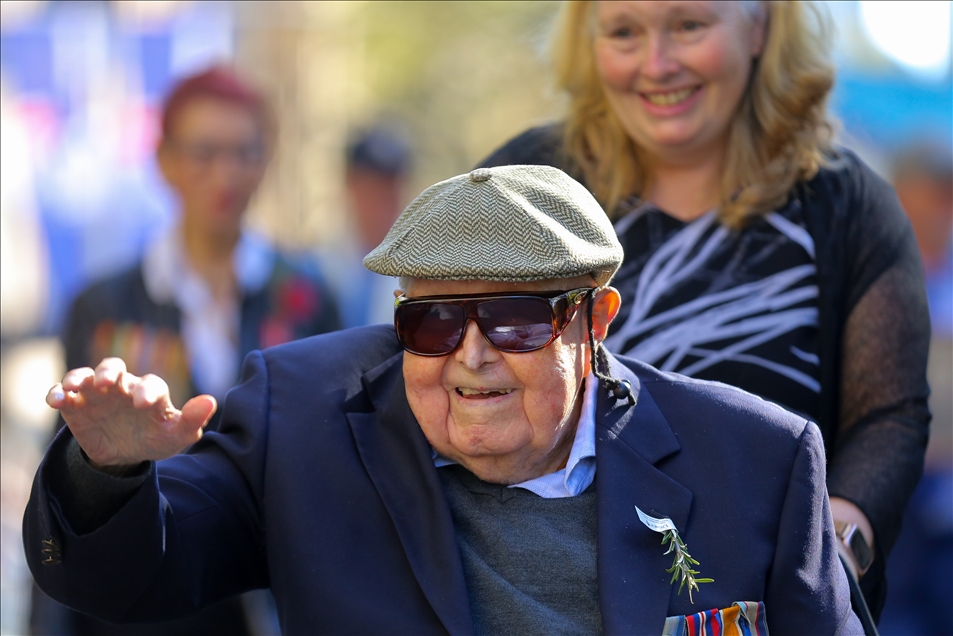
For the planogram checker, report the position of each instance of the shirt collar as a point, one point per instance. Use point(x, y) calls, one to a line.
point(164, 265)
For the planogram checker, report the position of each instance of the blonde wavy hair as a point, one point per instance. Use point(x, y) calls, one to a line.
point(779, 135)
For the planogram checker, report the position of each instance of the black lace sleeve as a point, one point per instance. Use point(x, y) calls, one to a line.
point(883, 421)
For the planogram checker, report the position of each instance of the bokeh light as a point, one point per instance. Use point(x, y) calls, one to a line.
point(914, 33)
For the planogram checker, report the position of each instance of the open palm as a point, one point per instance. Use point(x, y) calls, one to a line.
point(121, 420)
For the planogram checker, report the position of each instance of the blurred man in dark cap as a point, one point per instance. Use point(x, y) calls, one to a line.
point(481, 466)
point(378, 165)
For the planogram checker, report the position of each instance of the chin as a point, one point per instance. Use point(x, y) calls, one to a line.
point(477, 447)
point(482, 459)
point(673, 134)
point(489, 473)
point(228, 225)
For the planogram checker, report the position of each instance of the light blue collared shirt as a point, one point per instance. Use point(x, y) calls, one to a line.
point(580, 468)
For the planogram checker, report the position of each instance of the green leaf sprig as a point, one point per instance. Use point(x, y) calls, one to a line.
point(682, 566)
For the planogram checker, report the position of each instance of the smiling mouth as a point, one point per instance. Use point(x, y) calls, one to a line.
point(475, 394)
point(669, 99)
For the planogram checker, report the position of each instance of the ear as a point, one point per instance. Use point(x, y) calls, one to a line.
point(607, 303)
point(759, 28)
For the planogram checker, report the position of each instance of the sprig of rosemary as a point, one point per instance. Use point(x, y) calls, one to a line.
point(682, 566)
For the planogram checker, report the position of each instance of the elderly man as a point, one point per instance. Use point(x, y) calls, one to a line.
point(488, 470)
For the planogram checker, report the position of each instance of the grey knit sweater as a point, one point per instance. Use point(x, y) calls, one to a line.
point(530, 562)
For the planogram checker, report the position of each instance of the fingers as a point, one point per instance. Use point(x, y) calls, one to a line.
point(194, 417)
point(56, 398)
point(75, 379)
point(150, 391)
point(198, 411)
point(65, 394)
point(108, 373)
point(80, 385)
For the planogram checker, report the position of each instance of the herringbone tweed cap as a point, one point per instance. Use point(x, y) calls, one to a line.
point(509, 223)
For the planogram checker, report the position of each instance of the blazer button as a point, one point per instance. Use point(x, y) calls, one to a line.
point(54, 556)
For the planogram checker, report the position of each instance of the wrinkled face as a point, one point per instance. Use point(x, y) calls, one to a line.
point(214, 160)
point(507, 417)
point(675, 72)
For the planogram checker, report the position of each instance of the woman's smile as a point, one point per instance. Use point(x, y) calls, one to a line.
point(670, 103)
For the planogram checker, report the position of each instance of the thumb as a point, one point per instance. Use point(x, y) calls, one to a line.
point(198, 411)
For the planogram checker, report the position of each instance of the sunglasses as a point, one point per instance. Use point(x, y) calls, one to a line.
point(513, 322)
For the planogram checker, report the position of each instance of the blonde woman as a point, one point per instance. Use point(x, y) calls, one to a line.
point(756, 253)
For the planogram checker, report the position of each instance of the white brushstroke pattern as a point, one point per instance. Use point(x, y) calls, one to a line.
point(754, 312)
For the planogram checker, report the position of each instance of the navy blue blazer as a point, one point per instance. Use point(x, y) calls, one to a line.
point(321, 485)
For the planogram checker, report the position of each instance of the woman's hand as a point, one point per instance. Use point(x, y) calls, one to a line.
point(846, 512)
point(121, 420)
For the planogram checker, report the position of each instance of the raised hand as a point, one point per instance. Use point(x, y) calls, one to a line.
point(121, 420)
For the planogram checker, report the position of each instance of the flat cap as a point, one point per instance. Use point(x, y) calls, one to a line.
point(508, 223)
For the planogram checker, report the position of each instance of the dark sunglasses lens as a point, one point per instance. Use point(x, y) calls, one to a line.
point(430, 328)
point(517, 324)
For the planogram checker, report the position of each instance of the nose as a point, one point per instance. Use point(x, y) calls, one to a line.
point(475, 351)
point(659, 60)
point(227, 170)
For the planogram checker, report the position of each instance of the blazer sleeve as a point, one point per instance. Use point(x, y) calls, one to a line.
point(807, 590)
point(190, 535)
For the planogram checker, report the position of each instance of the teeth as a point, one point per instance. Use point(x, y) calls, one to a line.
point(668, 99)
point(464, 391)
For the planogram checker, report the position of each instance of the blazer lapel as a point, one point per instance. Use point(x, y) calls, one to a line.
point(399, 461)
point(634, 588)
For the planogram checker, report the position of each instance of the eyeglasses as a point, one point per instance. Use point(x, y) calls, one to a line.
point(203, 154)
point(513, 322)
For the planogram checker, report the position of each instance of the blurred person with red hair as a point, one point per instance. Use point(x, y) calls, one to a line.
point(206, 292)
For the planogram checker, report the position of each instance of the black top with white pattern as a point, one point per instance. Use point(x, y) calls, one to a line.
point(736, 306)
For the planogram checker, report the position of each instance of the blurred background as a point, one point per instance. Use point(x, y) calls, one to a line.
point(81, 87)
